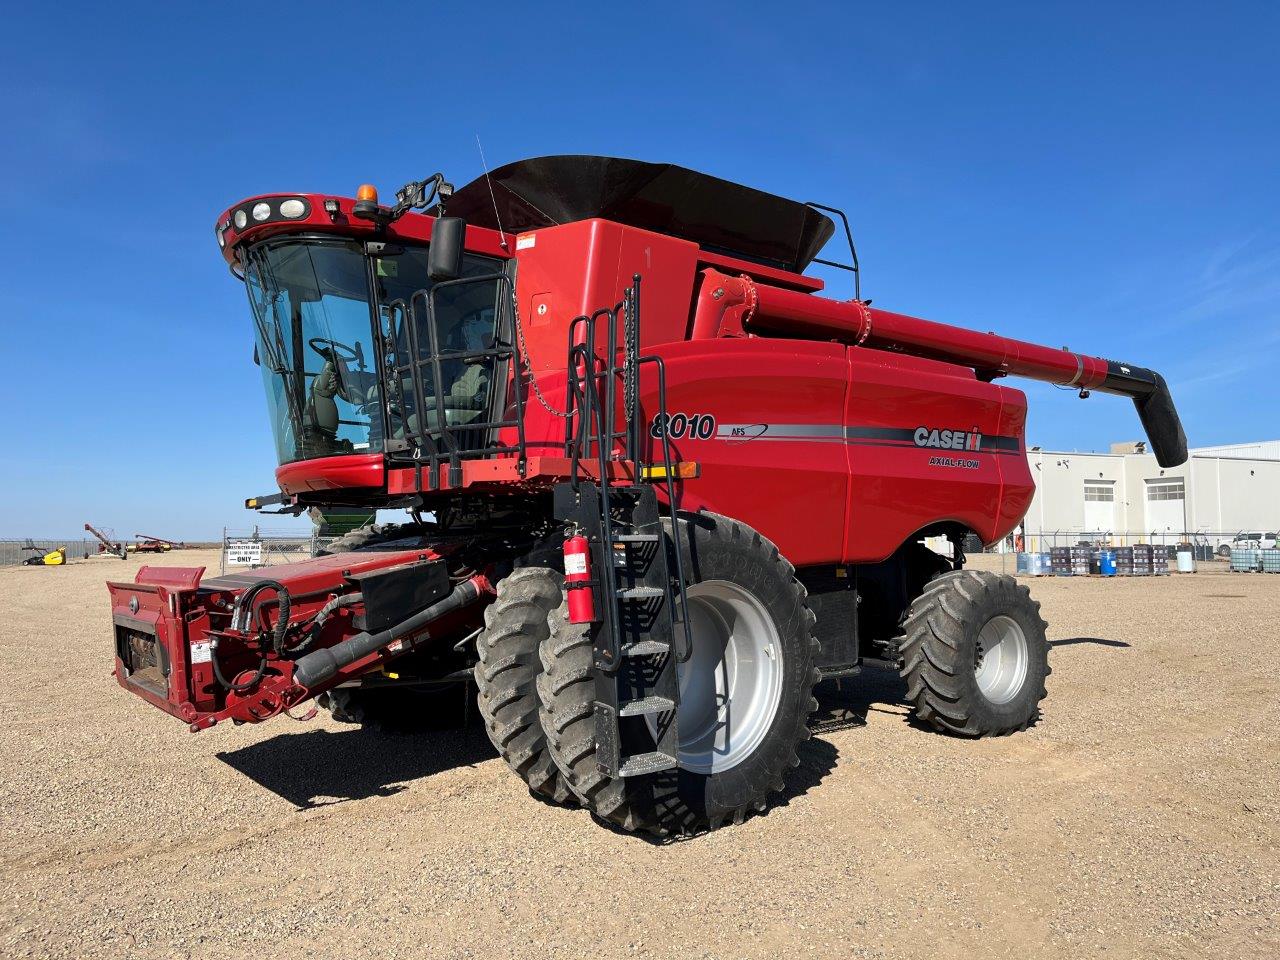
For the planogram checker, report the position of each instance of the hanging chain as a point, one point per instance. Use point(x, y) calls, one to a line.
point(524, 356)
point(630, 362)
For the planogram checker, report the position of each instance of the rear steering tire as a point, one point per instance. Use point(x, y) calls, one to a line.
point(746, 692)
point(974, 654)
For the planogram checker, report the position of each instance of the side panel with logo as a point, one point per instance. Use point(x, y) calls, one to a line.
point(763, 420)
point(925, 445)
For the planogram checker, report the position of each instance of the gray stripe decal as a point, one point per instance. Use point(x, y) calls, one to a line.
point(781, 431)
point(886, 436)
point(880, 433)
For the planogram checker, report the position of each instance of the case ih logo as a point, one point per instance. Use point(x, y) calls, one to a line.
point(948, 439)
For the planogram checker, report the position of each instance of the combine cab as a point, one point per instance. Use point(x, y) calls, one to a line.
point(658, 485)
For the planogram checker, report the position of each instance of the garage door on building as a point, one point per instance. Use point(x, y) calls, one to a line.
point(1099, 506)
point(1166, 505)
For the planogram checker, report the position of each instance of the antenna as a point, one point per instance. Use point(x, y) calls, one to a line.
point(502, 234)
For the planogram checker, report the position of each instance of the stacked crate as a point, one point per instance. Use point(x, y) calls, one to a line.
point(1142, 559)
point(1160, 561)
point(1124, 561)
point(1060, 561)
point(1080, 557)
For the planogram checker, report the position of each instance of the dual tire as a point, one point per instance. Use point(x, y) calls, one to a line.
point(516, 625)
point(746, 691)
point(537, 688)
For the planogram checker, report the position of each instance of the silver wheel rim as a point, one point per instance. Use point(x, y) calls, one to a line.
point(731, 686)
point(1000, 660)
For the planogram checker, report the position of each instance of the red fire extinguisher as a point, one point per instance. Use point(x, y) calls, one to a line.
point(577, 579)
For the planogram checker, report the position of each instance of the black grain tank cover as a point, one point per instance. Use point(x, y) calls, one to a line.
point(713, 213)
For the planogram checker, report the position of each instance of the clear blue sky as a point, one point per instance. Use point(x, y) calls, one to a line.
point(1100, 175)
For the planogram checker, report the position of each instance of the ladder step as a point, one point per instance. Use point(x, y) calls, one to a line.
point(640, 593)
point(642, 763)
point(645, 648)
point(646, 705)
point(636, 538)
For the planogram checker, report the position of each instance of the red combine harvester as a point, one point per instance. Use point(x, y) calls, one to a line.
point(660, 487)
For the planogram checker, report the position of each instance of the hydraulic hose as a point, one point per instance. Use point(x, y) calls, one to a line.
point(318, 621)
point(240, 616)
point(317, 667)
point(229, 685)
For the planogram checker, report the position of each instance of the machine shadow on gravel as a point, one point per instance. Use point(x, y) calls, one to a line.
point(319, 768)
point(817, 759)
point(843, 706)
point(1071, 641)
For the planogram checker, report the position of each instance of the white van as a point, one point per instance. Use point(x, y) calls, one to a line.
point(1254, 540)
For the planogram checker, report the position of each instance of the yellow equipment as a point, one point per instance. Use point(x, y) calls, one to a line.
point(54, 558)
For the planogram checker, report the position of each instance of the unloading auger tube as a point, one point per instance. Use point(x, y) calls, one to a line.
point(728, 303)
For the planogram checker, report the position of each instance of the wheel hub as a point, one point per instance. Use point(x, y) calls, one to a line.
point(731, 685)
point(1001, 659)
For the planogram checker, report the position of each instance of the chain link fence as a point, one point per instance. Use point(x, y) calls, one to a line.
point(13, 552)
point(1206, 544)
point(257, 547)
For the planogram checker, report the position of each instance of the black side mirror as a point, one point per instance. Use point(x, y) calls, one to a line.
point(444, 259)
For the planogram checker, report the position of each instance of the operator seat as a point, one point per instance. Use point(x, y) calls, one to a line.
point(356, 387)
point(465, 401)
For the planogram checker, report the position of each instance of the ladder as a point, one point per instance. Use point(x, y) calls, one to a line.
point(641, 634)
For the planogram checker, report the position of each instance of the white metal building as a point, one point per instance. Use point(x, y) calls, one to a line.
point(1260, 450)
point(1125, 497)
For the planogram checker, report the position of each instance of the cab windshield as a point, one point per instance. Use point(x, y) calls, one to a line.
point(341, 378)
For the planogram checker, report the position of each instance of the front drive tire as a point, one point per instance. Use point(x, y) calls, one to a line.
point(516, 624)
point(740, 588)
point(974, 654)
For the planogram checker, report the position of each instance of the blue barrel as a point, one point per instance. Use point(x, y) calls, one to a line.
point(1107, 563)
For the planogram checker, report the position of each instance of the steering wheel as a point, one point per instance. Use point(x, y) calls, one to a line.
point(341, 351)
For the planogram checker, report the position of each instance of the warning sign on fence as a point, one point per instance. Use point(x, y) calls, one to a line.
point(244, 553)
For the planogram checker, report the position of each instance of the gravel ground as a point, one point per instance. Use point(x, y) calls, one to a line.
point(1139, 818)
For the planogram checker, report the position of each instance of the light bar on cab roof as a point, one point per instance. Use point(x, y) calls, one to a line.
point(270, 210)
